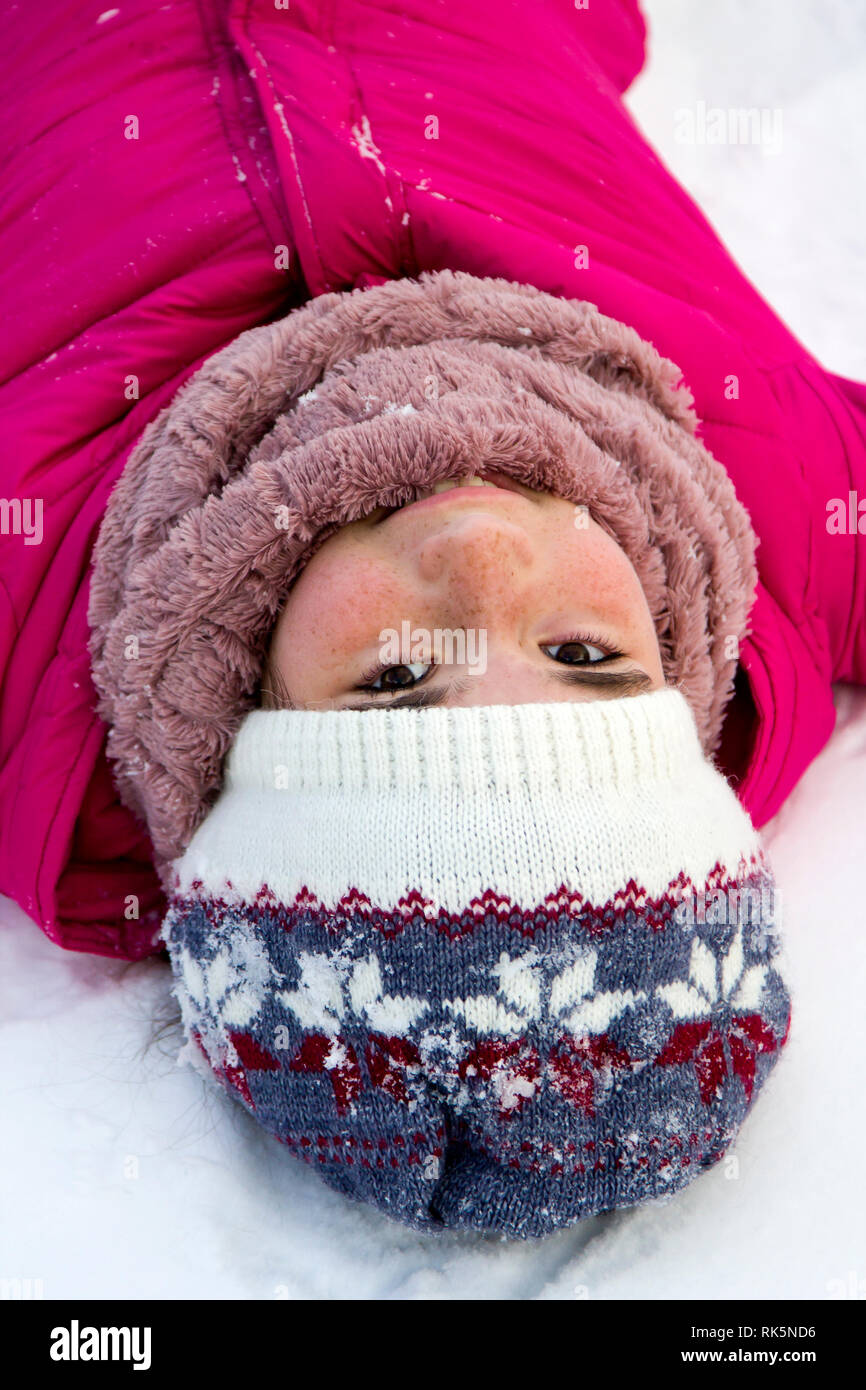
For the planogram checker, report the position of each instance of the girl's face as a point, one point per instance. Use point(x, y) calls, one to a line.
point(488, 594)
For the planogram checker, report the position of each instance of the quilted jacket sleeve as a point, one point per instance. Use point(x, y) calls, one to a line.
point(826, 420)
point(140, 233)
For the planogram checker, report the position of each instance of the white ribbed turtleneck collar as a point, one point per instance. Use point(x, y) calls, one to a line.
point(570, 745)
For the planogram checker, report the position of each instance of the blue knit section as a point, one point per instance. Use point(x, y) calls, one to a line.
point(515, 1077)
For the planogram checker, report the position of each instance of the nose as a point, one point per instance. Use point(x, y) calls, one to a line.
point(478, 556)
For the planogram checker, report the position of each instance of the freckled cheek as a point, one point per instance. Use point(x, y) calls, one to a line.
point(616, 591)
point(334, 611)
point(600, 572)
point(595, 568)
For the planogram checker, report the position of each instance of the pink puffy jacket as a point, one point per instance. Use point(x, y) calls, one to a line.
point(177, 174)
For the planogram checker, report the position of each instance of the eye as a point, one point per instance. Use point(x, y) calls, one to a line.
point(396, 677)
point(579, 651)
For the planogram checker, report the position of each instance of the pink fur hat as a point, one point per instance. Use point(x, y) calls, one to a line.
point(360, 400)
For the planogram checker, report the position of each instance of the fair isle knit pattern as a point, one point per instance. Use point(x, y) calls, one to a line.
point(496, 968)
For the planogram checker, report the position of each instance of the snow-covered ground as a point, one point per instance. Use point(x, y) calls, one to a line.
point(792, 209)
point(121, 1175)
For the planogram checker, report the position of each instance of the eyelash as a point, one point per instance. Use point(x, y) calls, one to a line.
point(589, 639)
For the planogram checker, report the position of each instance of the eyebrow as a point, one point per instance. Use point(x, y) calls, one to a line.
point(424, 698)
point(615, 682)
point(610, 683)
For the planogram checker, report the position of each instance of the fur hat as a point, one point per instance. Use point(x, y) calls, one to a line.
point(360, 400)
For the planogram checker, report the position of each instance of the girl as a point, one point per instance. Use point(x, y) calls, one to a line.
point(610, 1024)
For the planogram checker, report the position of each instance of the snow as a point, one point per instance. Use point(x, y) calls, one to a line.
point(792, 215)
point(362, 137)
point(129, 1176)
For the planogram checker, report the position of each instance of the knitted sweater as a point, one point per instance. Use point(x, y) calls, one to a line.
point(494, 967)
